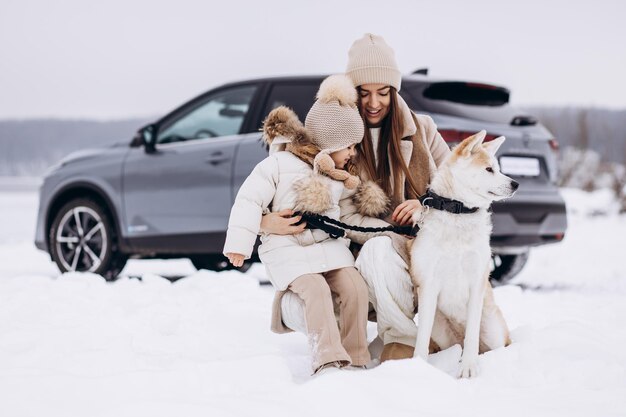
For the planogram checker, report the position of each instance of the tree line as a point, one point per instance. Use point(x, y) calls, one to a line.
point(592, 140)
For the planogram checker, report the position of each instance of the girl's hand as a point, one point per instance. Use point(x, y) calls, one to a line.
point(282, 223)
point(403, 213)
point(235, 258)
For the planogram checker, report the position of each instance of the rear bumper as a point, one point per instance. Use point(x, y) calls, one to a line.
point(529, 220)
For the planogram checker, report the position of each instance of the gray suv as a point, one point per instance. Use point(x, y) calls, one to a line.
point(168, 192)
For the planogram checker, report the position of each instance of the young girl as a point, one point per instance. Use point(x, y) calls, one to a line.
point(304, 171)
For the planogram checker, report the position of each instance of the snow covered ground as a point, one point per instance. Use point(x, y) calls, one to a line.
point(74, 345)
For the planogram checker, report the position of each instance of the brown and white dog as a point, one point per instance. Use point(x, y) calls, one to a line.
point(450, 257)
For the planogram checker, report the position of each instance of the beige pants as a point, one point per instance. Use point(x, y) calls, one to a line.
point(330, 340)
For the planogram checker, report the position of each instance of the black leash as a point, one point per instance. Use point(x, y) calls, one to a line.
point(337, 229)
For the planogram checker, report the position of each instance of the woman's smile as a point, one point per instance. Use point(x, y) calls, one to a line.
point(375, 102)
point(372, 112)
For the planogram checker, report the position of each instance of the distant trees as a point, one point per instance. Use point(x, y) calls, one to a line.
point(593, 144)
point(584, 169)
point(29, 147)
point(593, 147)
point(601, 130)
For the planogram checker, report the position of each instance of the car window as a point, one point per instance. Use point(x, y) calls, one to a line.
point(221, 114)
point(452, 101)
point(298, 97)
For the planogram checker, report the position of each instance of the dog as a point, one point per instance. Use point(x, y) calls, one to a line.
point(450, 256)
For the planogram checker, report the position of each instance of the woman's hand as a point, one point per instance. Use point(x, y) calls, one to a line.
point(403, 213)
point(282, 223)
point(235, 258)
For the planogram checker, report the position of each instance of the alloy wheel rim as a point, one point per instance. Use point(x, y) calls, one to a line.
point(81, 240)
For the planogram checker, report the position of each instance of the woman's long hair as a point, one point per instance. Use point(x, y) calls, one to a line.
point(390, 161)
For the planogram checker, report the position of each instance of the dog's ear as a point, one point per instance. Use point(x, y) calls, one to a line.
point(470, 145)
point(493, 146)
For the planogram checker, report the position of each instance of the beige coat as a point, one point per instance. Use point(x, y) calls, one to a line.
point(423, 150)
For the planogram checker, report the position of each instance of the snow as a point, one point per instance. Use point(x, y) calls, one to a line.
point(75, 345)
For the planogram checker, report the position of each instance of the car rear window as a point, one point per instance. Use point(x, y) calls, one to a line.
point(467, 93)
point(468, 100)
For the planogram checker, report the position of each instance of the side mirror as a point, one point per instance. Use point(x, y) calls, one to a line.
point(148, 138)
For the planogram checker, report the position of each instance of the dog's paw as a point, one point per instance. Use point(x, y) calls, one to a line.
point(468, 369)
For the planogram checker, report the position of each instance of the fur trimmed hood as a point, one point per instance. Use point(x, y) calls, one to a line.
point(283, 131)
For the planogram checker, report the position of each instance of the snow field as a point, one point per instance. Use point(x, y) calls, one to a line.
point(75, 345)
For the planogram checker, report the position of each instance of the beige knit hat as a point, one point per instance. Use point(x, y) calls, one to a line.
point(372, 61)
point(334, 122)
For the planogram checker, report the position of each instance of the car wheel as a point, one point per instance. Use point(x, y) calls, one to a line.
point(505, 267)
point(216, 263)
point(82, 238)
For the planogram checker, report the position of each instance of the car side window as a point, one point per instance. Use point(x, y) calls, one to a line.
point(221, 114)
point(298, 97)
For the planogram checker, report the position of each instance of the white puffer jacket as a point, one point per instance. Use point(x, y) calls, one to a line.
point(286, 257)
point(285, 181)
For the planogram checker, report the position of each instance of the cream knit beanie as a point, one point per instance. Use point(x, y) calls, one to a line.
point(334, 122)
point(372, 61)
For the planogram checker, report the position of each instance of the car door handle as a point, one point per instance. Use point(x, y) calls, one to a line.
point(217, 158)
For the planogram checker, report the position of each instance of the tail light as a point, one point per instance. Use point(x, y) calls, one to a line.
point(554, 144)
point(455, 136)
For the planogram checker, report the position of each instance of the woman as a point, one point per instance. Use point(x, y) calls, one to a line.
point(400, 152)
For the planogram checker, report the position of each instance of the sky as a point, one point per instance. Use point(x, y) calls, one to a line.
point(136, 58)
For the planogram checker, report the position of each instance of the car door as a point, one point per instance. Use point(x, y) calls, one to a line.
point(298, 95)
point(178, 196)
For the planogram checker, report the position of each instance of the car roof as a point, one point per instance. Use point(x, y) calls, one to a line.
point(413, 78)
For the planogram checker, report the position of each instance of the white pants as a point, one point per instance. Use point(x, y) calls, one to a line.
point(390, 290)
point(292, 311)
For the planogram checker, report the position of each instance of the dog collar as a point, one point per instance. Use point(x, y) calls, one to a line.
point(431, 199)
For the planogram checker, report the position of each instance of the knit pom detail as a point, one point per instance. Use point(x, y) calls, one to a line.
point(351, 182)
point(338, 87)
point(371, 200)
point(313, 195)
point(323, 162)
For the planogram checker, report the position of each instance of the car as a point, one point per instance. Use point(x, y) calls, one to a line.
point(168, 191)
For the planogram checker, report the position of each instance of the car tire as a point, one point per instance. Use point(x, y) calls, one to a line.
point(506, 267)
point(83, 239)
point(216, 263)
